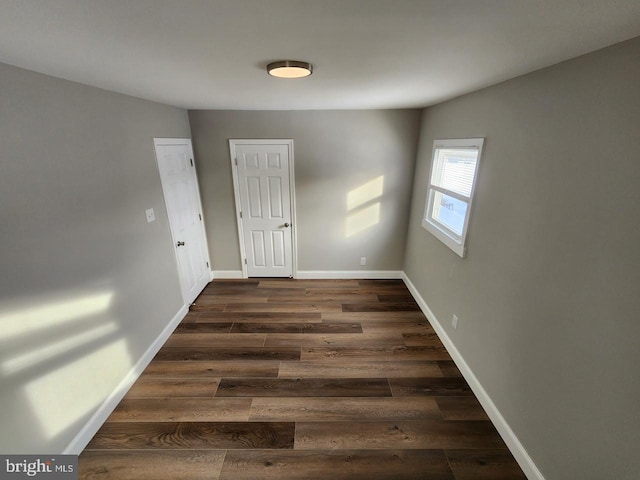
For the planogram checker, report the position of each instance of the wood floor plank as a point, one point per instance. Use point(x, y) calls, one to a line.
point(190, 317)
point(461, 408)
point(226, 290)
point(369, 290)
point(396, 297)
point(396, 282)
point(229, 290)
point(288, 283)
point(429, 387)
point(218, 353)
point(380, 354)
point(193, 435)
point(381, 307)
point(216, 339)
point(340, 409)
point(303, 387)
point(336, 465)
point(233, 282)
point(148, 386)
point(309, 307)
point(260, 317)
point(369, 317)
point(216, 369)
point(417, 434)
point(203, 327)
point(354, 369)
point(336, 340)
point(150, 465)
point(208, 308)
point(449, 369)
point(182, 410)
point(309, 328)
point(484, 465)
point(318, 297)
point(423, 339)
point(396, 327)
point(206, 300)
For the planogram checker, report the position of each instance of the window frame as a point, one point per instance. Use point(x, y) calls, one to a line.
point(451, 239)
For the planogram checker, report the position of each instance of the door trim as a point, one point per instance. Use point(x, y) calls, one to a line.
point(158, 141)
point(292, 192)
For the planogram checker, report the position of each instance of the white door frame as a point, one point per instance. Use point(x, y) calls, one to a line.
point(183, 141)
point(292, 192)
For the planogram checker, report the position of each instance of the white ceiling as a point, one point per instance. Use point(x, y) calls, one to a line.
point(211, 54)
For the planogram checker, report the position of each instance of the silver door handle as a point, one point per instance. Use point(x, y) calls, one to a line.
point(286, 225)
point(180, 244)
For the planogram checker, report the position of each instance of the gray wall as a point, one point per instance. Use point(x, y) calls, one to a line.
point(86, 283)
point(548, 297)
point(335, 153)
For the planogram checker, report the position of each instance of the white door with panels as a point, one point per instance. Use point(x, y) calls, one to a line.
point(263, 182)
point(182, 198)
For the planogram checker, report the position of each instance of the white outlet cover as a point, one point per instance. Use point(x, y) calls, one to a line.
point(363, 260)
point(151, 215)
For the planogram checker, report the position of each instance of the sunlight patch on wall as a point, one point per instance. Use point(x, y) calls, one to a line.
point(363, 219)
point(44, 342)
point(30, 320)
point(63, 396)
point(42, 354)
point(365, 193)
point(363, 205)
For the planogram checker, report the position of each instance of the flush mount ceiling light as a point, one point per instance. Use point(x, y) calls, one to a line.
point(289, 69)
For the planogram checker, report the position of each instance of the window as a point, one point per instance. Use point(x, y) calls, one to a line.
point(452, 182)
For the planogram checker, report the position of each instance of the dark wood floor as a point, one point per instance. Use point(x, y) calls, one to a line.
point(300, 379)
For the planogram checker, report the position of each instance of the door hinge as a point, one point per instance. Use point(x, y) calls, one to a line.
point(207, 264)
point(245, 261)
point(200, 216)
point(191, 160)
point(236, 161)
point(240, 214)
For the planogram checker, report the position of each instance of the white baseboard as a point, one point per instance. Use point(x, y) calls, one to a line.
point(349, 274)
point(517, 449)
point(218, 274)
point(100, 416)
point(322, 274)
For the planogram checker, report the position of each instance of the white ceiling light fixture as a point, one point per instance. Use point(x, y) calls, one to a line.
point(289, 69)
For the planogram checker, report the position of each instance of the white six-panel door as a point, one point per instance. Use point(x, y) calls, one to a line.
point(263, 190)
point(182, 199)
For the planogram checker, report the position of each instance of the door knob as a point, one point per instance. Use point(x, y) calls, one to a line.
point(180, 244)
point(286, 225)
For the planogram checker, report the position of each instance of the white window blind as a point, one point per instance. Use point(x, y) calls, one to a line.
point(454, 169)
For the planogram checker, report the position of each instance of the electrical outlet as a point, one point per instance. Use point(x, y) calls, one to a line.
point(363, 261)
point(454, 321)
point(151, 215)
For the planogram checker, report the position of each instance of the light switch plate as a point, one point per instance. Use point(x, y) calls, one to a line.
point(151, 215)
